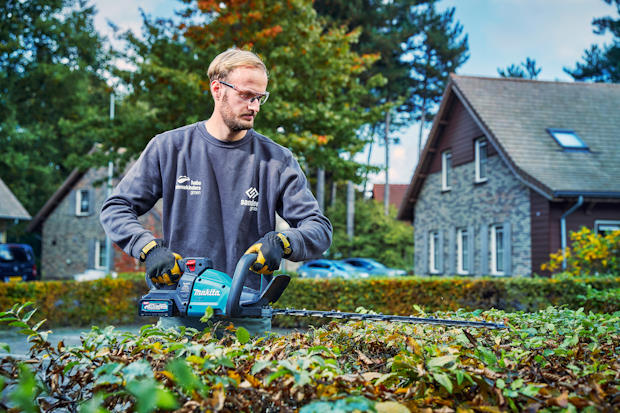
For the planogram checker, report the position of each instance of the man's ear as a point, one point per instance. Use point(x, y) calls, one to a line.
point(216, 89)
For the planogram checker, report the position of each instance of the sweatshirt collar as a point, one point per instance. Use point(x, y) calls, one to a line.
point(213, 140)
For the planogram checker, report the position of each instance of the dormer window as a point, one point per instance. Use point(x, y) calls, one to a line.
point(568, 139)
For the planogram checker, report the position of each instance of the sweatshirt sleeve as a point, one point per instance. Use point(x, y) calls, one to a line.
point(135, 195)
point(311, 232)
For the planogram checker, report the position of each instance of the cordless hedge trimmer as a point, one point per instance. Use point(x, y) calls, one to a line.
point(201, 287)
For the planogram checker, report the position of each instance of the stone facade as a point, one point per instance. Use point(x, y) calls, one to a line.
point(69, 239)
point(502, 199)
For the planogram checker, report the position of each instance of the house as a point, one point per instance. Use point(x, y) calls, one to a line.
point(72, 239)
point(11, 210)
point(397, 193)
point(510, 167)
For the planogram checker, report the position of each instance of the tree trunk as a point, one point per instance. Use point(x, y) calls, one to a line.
point(350, 209)
point(422, 122)
point(386, 192)
point(320, 188)
point(372, 140)
point(334, 189)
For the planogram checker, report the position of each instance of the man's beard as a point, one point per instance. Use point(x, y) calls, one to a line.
point(230, 119)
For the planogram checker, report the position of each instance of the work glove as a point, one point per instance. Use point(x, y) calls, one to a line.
point(161, 263)
point(270, 250)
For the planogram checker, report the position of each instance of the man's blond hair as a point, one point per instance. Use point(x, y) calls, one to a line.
point(227, 61)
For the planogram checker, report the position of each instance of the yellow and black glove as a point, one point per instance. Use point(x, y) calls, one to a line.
point(271, 248)
point(161, 263)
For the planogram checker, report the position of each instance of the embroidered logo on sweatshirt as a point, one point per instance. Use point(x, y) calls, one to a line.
point(185, 183)
point(251, 193)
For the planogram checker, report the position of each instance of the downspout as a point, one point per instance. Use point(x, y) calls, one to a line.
point(563, 228)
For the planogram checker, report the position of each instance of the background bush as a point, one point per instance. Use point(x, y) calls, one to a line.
point(114, 301)
point(589, 252)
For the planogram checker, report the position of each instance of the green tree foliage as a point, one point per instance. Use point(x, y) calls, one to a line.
point(317, 95)
point(376, 235)
point(53, 101)
point(526, 70)
point(601, 63)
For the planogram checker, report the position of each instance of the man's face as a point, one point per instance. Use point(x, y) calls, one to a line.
point(237, 111)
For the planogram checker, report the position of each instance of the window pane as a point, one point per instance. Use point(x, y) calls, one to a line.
point(464, 251)
point(483, 159)
point(567, 139)
point(499, 249)
point(84, 201)
point(102, 254)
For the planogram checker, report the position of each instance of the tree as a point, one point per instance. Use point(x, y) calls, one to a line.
point(418, 47)
point(376, 235)
point(437, 51)
point(601, 63)
point(526, 70)
point(53, 99)
point(317, 94)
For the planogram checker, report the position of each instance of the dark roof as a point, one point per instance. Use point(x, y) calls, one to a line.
point(10, 207)
point(515, 114)
point(397, 193)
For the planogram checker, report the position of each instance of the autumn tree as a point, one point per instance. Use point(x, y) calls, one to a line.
point(601, 63)
point(317, 100)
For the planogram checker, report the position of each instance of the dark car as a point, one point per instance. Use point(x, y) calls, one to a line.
point(17, 263)
point(373, 267)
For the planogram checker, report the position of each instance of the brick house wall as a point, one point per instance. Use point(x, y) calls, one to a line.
point(502, 199)
point(69, 240)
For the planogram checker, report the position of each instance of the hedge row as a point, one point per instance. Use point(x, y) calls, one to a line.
point(114, 301)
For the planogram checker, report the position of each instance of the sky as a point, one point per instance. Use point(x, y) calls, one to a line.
point(500, 32)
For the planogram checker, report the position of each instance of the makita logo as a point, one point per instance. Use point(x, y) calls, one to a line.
point(148, 306)
point(252, 193)
point(182, 179)
point(212, 292)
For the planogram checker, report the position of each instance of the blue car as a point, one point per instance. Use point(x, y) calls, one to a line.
point(17, 263)
point(327, 269)
point(372, 267)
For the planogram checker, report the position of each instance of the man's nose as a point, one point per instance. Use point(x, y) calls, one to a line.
point(254, 104)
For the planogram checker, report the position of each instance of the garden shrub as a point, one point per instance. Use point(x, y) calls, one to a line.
point(554, 360)
point(589, 253)
point(114, 301)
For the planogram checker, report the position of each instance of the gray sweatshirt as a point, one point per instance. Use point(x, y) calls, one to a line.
point(218, 197)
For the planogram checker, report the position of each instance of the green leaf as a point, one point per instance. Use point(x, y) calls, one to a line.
point(500, 383)
point(93, 405)
point(26, 391)
point(150, 396)
point(184, 376)
point(242, 335)
point(260, 365)
point(27, 316)
point(208, 315)
point(441, 361)
point(5, 347)
point(141, 368)
point(459, 377)
point(488, 356)
point(19, 323)
point(444, 380)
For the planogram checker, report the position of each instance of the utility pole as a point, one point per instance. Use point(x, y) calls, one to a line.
point(350, 209)
point(108, 241)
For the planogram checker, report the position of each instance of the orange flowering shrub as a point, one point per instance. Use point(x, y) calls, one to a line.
point(589, 253)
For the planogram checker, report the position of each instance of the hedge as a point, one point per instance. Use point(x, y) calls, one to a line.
point(114, 301)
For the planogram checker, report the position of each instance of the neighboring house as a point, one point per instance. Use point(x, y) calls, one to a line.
point(506, 162)
point(11, 210)
point(73, 241)
point(397, 193)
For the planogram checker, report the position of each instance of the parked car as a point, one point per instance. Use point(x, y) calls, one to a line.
point(373, 267)
point(328, 269)
point(17, 263)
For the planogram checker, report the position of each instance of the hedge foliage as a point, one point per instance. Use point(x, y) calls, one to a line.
point(72, 303)
point(114, 301)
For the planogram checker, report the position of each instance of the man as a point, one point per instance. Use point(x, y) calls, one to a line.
point(221, 183)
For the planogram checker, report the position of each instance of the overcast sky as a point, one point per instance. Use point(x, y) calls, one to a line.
point(501, 32)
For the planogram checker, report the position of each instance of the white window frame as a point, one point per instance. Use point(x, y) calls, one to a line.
point(495, 251)
point(446, 170)
point(78, 202)
point(479, 144)
point(462, 251)
point(100, 253)
point(433, 250)
point(602, 222)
